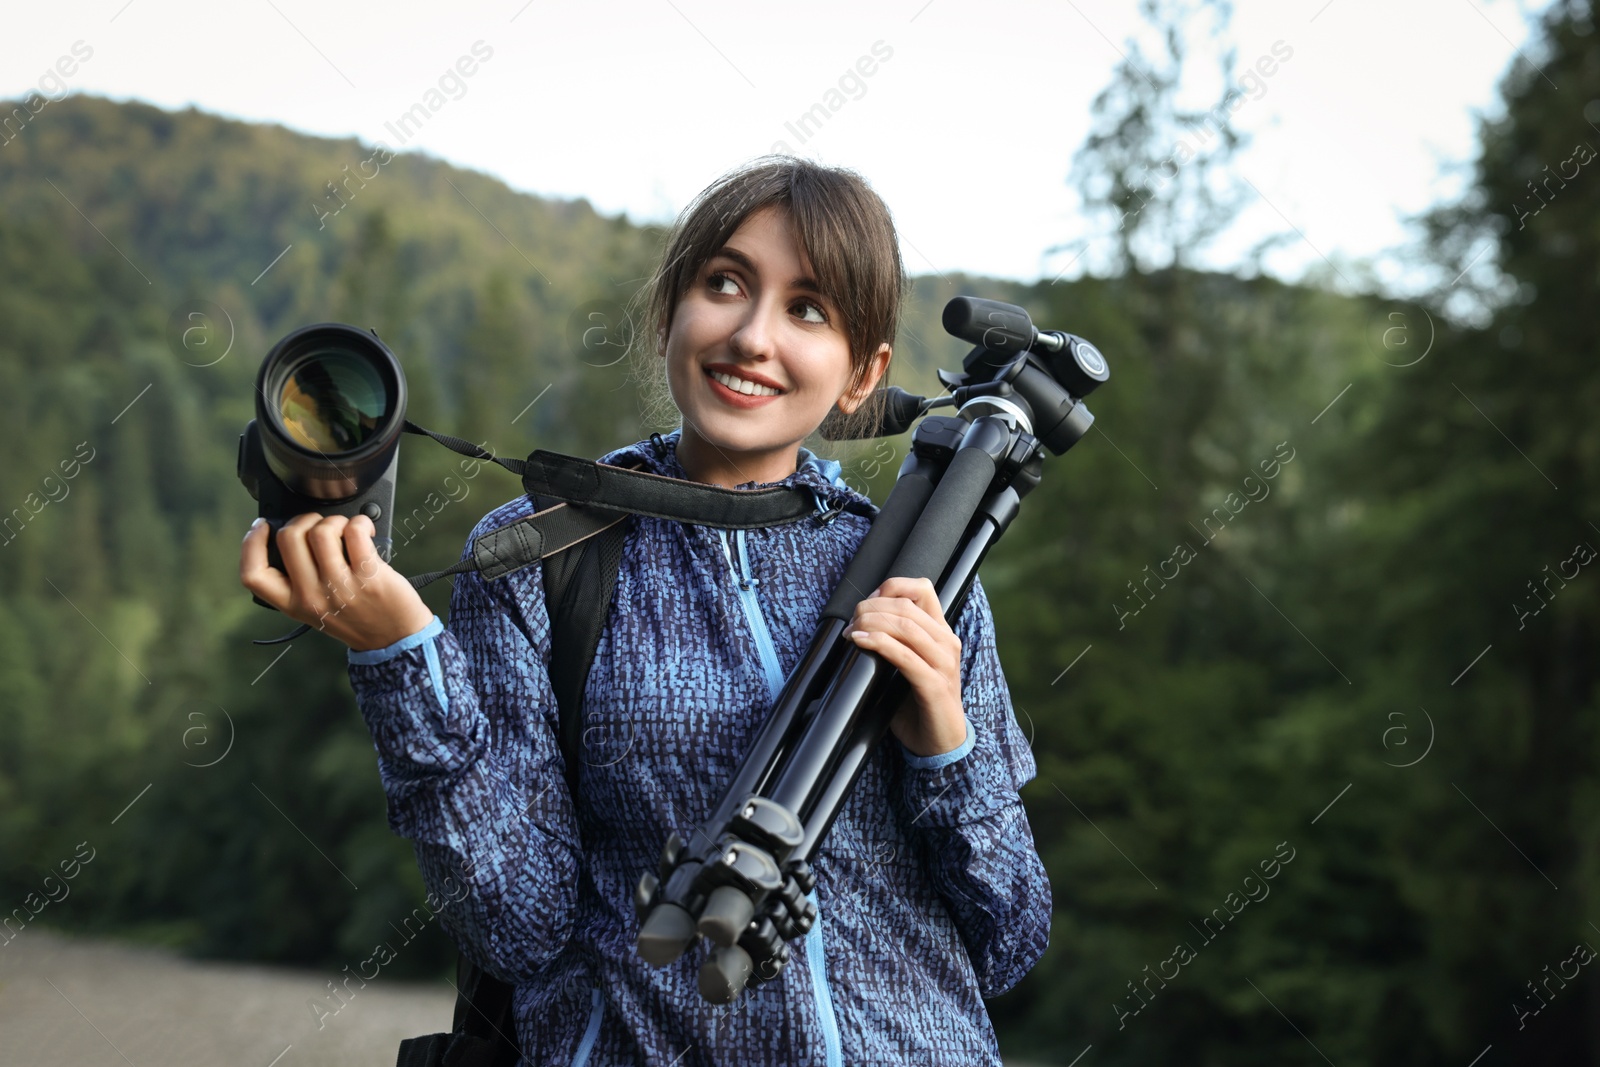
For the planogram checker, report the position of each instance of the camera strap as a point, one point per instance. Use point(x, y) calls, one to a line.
point(590, 497)
point(594, 496)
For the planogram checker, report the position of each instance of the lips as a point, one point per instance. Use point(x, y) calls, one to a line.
point(735, 399)
point(733, 371)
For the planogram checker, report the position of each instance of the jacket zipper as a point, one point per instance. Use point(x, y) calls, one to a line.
point(752, 610)
point(769, 661)
point(592, 1030)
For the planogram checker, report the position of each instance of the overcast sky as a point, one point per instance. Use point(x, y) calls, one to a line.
point(966, 123)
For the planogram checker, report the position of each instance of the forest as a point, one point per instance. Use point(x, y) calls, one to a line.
point(1303, 632)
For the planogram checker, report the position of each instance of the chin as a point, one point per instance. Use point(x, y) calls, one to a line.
point(728, 428)
point(753, 438)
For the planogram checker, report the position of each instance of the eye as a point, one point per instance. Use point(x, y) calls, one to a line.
point(811, 311)
point(717, 280)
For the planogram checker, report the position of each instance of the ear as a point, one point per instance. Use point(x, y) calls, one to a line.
point(854, 398)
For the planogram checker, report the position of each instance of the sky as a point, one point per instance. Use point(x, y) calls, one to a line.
point(964, 116)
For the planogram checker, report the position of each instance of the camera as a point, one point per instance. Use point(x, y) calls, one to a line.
point(330, 409)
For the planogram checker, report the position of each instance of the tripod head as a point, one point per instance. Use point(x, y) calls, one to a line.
point(1038, 377)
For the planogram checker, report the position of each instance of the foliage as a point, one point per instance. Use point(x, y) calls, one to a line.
point(1321, 633)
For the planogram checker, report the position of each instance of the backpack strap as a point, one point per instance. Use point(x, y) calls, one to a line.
point(579, 585)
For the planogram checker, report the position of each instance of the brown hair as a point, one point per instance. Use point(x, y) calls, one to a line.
point(842, 225)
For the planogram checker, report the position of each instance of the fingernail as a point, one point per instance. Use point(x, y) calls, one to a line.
point(858, 634)
point(253, 525)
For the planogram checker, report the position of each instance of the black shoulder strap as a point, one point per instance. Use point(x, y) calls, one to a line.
point(624, 488)
point(578, 498)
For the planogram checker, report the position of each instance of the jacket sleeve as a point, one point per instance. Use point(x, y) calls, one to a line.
point(963, 808)
point(464, 722)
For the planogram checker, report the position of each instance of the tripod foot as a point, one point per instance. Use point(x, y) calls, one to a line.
point(724, 974)
point(665, 934)
point(727, 914)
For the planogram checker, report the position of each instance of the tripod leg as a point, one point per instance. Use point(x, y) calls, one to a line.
point(930, 544)
point(870, 728)
point(665, 934)
point(727, 913)
point(724, 974)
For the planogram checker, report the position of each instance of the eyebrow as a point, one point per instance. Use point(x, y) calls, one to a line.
point(805, 283)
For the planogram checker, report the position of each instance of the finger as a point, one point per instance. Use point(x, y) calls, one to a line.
point(298, 563)
point(326, 541)
point(899, 594)
point(916, 632)
point(923, 676)
point(364, 558)
point(880, 605)
point(918, 590)
point(256, 574)
point(932, 623)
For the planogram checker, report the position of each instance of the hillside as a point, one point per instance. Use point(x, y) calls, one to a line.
point(1279, 536)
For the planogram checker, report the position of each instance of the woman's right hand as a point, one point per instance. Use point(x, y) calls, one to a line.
point(360, 600)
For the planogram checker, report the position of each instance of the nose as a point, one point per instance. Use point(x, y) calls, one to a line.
point(755, 337)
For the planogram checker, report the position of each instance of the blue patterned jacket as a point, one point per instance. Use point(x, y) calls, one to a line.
point(930, 893)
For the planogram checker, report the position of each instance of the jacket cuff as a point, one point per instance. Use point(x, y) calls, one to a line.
point(961, 791)
point(933, 763)
point(379, 655)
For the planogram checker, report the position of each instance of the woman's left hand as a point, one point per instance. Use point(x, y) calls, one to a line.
point(902, 622)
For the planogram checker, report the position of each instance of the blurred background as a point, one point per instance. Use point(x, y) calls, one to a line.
point(1303, 631)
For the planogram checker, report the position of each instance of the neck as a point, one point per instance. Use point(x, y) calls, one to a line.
point(711, 464)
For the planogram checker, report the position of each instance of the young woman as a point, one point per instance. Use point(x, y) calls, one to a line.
point(776, 300)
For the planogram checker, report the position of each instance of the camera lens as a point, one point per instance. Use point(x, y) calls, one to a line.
point(330, 406)
point(332, 401)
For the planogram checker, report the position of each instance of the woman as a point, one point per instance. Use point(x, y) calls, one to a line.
point(776, 301)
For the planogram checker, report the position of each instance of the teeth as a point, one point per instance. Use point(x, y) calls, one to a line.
point(739, 385)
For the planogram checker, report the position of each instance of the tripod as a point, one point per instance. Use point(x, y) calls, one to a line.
point(741, 878)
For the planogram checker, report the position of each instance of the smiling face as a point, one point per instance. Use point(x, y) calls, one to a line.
point(757, 356)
